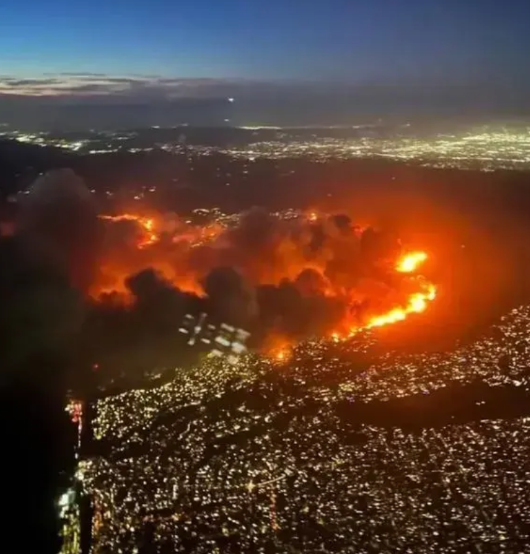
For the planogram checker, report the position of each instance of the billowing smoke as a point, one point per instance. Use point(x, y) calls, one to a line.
point(287, 275)
point(49, 252)
point(59, 218)
point(230, 297)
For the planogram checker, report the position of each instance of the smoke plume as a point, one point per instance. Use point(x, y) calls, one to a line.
point(286, 276)
point(290, 275)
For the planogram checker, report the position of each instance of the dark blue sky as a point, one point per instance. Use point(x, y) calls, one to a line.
point(358, 41)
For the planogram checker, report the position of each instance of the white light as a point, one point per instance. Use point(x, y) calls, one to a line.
point(230, 99)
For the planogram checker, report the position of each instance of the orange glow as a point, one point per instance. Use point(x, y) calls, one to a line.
point(166, 258)
point(147, 224)
point(188, 251)
point(277, 348)
point(410, 262)
point(417, 302)
point(279, 355)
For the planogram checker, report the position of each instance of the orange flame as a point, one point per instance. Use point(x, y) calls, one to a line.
point(410, 262)
point(147, 224)
point(279, 355)
point(417, 302)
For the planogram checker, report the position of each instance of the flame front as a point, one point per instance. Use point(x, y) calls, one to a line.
point(168, 245)
point(147, 224)
point(410, 262)
point(417, 302)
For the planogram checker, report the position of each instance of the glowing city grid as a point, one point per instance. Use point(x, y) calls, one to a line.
point(263, 456)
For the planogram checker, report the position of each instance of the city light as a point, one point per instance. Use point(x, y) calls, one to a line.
point(485, 148)
point(262, 453)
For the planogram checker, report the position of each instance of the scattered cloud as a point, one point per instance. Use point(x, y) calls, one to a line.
point(12, 82)
point(71, 85)
point(72, 74)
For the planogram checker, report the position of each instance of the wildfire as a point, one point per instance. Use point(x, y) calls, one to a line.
point(417, 302)
point(410, 262)
point(147, 224)
point(289, 262)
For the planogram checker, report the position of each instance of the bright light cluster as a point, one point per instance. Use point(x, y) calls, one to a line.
point(315, 482)
point(486, 147)
point(264, 455)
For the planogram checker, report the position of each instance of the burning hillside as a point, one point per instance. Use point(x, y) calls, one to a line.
point(289, 275)
point(282, 278)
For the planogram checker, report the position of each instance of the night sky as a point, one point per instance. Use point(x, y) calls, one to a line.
point(354, 40)
point(170, 49)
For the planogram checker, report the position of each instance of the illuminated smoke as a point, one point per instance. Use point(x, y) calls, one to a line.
point(416, 304)
point(284, 278)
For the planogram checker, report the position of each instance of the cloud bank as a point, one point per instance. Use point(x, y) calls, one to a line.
point(98, 84)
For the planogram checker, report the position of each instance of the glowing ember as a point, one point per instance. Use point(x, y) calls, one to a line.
point(410, 262)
